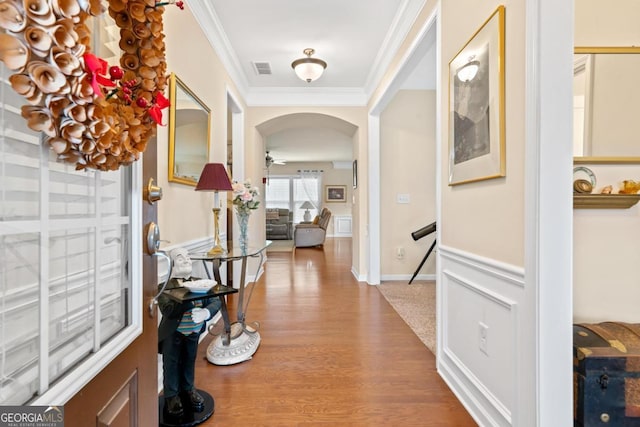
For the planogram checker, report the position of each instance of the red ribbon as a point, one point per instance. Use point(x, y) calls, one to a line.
point(96, 67)
point(155, 111)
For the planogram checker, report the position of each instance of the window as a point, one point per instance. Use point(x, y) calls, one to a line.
point(290, 192)
point(66, 265)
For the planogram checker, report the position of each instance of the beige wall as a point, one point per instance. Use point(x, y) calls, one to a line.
point(407, 153)
point(355, 115)
point(607, 242)
point(486, 218)
point(200, 69)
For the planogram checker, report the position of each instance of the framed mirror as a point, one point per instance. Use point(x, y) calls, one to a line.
point(189, 131)
point(606, 110)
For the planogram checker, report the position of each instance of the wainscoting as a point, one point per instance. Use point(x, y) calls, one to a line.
point(479, 344)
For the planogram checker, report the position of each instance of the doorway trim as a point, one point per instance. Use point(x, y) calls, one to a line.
point(411, 57)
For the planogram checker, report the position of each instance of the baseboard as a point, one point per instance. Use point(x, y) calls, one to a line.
point(406, 277)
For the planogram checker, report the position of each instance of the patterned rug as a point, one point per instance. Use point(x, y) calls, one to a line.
point(416, 304)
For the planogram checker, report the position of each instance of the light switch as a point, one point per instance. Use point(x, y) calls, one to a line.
point(403, 198)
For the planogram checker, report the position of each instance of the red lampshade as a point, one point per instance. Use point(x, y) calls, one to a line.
point(214, 178)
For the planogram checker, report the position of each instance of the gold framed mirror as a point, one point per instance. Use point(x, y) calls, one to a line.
point(606, 110)
point(189, 133)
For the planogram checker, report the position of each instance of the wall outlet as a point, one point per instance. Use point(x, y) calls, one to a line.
point(403, 198)
point(400, 252)
point(483, 336)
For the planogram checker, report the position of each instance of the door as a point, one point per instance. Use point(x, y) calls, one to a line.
point(125, 392)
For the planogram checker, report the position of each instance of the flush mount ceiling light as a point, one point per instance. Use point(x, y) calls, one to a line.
point(309, 69)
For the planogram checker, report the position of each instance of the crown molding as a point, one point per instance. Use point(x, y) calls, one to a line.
point(209, 22)
point(298, 97)
point(402, 23)
point(212, 28)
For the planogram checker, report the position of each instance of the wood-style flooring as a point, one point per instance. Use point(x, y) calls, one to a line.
point(333, 353)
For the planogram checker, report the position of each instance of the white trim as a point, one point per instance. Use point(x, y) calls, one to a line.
point(204, 13)
point(206, 17)
point(43, 357)
point(485, 278)
point(359, 277)
point(75, 380)
point(402, 23)
point(548, 215)
point(422, 40)
point(305, 96)
point(373, 227)
point(500, 270)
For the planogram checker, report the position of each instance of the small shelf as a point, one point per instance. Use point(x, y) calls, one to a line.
point(604, 201)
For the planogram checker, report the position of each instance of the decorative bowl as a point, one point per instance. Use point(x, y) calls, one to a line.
point(199, 286)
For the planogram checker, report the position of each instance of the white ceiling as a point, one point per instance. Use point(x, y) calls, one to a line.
point(357, 39)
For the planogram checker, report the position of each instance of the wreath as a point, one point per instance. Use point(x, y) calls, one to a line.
point(93, 115)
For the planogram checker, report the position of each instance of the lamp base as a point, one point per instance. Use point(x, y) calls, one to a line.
point(307, 216)
point(216, 250)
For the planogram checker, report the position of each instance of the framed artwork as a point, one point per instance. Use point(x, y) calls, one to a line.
point(476, 105)
point(355, 174)
point(335, 193)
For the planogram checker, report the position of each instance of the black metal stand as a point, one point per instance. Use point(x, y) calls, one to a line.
point(419, 234)
point(190, 417)
point(433, 245)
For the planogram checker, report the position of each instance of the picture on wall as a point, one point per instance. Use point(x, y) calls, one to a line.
point(476, 105)
point(335, 193)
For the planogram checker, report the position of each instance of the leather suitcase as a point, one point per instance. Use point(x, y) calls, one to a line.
point(606, 374)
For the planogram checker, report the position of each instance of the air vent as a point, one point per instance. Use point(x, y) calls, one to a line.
point(262, 68)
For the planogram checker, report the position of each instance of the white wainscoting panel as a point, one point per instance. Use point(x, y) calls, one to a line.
point(342, 226)
point(475, 292)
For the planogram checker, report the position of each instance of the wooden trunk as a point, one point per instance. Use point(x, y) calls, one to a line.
point(606, 374)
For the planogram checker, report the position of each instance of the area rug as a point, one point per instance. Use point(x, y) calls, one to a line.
point(416, 304)
point(280, 246)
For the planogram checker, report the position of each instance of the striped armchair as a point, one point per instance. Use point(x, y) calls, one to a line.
point(309, 235)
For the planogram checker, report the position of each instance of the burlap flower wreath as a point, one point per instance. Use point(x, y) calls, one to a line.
point(90, 120)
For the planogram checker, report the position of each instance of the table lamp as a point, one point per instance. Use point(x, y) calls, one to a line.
point(307, 205)
point(214, 178)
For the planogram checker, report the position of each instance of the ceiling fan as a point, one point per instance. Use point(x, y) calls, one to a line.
point(268, 161)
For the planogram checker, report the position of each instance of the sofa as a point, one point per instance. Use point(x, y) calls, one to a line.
point(279, 224)
point(310, 235)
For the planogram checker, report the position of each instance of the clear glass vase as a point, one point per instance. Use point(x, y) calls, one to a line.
point(243, 223)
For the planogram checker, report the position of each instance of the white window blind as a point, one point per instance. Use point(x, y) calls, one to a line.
point(65, 255)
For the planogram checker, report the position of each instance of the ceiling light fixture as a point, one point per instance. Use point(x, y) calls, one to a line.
point(309, 69)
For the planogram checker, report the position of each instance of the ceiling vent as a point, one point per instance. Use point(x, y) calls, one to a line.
point(262, 68)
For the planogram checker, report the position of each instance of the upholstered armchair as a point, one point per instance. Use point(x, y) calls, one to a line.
point(309, 235)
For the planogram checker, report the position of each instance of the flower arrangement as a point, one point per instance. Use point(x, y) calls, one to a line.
point(245, 197)
point(90, 119)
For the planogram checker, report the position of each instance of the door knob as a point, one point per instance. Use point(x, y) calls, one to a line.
point(152, 193)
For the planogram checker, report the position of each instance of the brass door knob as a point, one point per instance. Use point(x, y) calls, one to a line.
point(153, 193)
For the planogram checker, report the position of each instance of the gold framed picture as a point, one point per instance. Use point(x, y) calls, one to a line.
point(476, 105)
point(335, 193)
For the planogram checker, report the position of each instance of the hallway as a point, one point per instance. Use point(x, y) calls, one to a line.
point(333, 353)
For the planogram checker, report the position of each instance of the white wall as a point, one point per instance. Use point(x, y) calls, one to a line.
point(407, 153)
point(607, 241)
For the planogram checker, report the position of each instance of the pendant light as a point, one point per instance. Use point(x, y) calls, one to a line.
point(309, 69)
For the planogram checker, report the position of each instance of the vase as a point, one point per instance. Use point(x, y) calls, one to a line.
point(243, 238)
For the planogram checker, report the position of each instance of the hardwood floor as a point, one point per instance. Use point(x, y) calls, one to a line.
point(333, 353)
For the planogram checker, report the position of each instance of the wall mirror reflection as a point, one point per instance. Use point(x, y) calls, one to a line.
point(606, 111)
point(189, 121)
